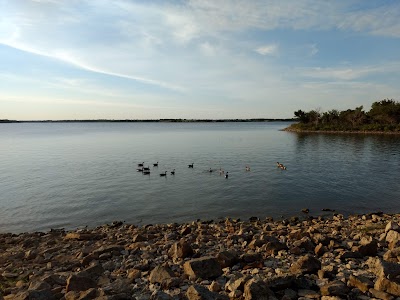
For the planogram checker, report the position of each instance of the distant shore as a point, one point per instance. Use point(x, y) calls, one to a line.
point(149, 121)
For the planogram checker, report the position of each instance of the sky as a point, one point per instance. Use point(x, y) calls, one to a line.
point(195, 59)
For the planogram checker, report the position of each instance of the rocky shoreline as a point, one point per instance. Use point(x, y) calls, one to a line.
point(317, 258)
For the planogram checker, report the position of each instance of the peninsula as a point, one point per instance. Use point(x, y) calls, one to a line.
point(383, 117)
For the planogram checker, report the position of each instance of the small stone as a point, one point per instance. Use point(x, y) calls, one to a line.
point(380, 294)
point(306, 264)
point(360, 282)
point(335, 288)
point(181, 249)
point(198, 292)
point(257, 290)
point(392, 226)
point(214, 287)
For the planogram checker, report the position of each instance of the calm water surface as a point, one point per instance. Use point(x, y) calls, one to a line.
point(76, 174)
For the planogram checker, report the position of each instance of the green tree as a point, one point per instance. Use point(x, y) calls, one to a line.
point(386, 111)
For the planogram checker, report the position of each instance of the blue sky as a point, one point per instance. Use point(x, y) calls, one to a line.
point(126, 59)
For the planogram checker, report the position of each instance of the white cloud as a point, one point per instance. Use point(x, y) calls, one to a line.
point(268, 49)
point(313, 49)
point(350, 73)
point(208, 49)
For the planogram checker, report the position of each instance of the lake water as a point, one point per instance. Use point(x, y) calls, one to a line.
point(70, 175)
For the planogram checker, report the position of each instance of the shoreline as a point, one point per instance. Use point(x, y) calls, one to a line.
point(332, 257)
point(287, 129)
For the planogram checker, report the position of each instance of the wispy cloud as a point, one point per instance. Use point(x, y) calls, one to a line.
point(350, 73)
point(268, 49)
point(313, 49)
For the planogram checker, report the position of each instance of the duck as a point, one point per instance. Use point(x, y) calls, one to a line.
point(140, 165)
point(146, 168)
point(173, 172)
point(191, 165)
point(226, 175)
point(247, 168)
point(210, 170)
point(155, 165)
point(146, 172)
point(164, 174)
point(140, 169)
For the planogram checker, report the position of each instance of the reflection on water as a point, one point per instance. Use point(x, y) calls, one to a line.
point(70, 175)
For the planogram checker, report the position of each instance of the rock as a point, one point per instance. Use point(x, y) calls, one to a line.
point(160, 295)
point(93, 271)
point(335, 288)
point(257, 290)
point(320, 249)
point(249, 258)
point(385, 285)
point(272, 247)
point(360, 282)
point(181, 249)
point(30, 295)
point(309, 294)
point(110, 249)
point(367, 247)
point(161, 274)
point(198, 292)
point(119, 286)
point(289, 294)
point(39, 285)
point(139, 238)
point(380, 294)
point(392, 255)
point(306, 264)
point(383, 268)
point(204, 267)
point(227, 258)
point(79, 283)
point(305, 243)
point(350, 254)
point(236, 283)
point(280, 282)
point(81, 236)
point(134, 274)
point(88, 294)
point(214, 287)
point(393, 239)
point(392, 226)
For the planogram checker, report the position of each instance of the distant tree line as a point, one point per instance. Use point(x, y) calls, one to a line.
point(383, 116)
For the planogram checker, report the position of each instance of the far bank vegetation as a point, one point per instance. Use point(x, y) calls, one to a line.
point(384, 116)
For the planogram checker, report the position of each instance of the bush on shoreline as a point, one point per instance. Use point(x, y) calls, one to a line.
point(384, 116)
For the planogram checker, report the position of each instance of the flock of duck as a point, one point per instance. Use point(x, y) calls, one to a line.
point(146, 170)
